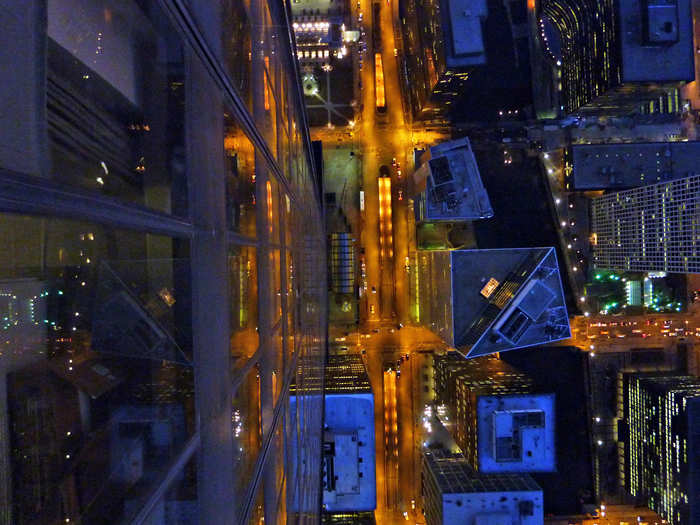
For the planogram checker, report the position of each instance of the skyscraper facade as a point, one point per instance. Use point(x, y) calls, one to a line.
point(590, 61)
point(618, 57)
point(444, 43)
point(163, 278)
point(650, 228)
point(660, 434)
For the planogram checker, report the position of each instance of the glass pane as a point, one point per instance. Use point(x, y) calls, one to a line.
point(291, 298)
point(276, 461)
point(276, 278)
point(240, 178)
point(257, 515)
point(288, 222)
point(245, 418)
point(237, 46)
point(243, 296)
point(100, 390)
point(292, 459)
point(179, 506)
point(115, 101)
point(278, 364)
point(273, 210)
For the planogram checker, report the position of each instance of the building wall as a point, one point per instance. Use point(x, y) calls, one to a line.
point(650, 228)
point(658, 463)
point(162, 234)
point(590, 62)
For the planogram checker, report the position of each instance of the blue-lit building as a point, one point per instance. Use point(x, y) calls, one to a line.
point(163, 277)
point(499, 421)
point(453, 493)
point(659, 435)
point(348, 455)
point(451, 185)
point(487, 301)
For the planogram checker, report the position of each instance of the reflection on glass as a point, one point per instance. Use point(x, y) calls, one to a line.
point(100, 390)
point(115, 101)
point(247, 438)
point(237, 45)
point(243, 295)
point(257, 515)
point(179, 506)
point(240, 178)
point(291, 298)
point(276, 283)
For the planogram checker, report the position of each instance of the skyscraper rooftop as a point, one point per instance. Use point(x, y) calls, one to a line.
point(453, 187)
point(486, 301)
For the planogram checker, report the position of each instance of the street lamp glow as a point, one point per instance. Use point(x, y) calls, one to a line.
point(583, 299)
point(563, 224)
point(557, 200)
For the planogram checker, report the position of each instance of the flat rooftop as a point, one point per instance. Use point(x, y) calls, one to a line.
point(454, 476)
point(506, 299)
point(629, 165)
point(656, 40)
point(454, 190)
point(463, 32)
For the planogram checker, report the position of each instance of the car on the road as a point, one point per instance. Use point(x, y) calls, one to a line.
point(384, 171)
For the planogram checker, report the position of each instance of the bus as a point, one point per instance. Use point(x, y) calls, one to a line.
point(379, 94)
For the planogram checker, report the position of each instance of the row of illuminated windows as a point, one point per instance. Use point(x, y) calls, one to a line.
point(321, 53)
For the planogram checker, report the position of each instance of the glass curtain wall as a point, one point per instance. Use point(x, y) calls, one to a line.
point(162, 282)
